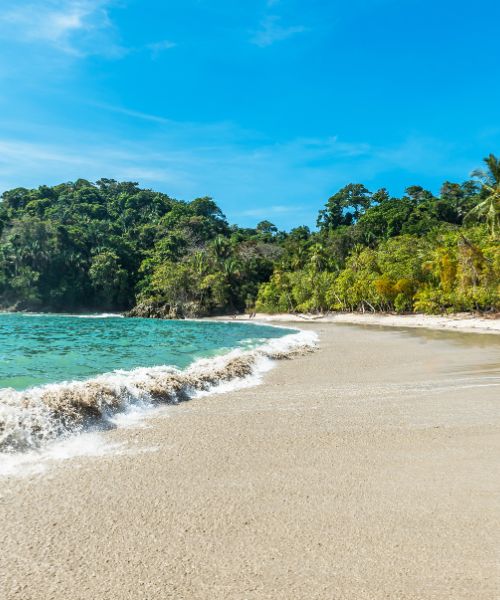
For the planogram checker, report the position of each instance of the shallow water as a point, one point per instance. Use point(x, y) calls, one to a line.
point(41, 349)
point(61, 375)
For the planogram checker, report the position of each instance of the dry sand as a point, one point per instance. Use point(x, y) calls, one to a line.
point(367, 470)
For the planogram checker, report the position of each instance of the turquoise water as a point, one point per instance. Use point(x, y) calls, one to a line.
point(40, 349)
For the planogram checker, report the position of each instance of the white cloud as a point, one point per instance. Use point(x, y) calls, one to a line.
point(268, 211)
point(157, 48)
point(76, 27)
point(251, 177)
point(90, 159)
point(271, 30)
point(135, 114)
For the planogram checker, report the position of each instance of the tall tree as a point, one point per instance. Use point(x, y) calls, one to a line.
point(345, 207)
point(488, 206)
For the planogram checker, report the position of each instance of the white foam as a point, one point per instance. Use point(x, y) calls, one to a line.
point(37, 462)
point(29, 421)
point(262, 366)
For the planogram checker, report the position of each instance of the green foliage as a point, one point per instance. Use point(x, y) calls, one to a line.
point(417, 253)
point(488, 205)
point(110, 245)
point(345, 207)
point(109, 279)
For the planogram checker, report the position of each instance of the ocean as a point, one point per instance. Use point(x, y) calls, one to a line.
point(61, 375)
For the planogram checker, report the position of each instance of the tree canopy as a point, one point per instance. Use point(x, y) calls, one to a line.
point(112, 245)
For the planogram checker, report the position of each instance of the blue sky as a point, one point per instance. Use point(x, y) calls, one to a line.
point(269, 106)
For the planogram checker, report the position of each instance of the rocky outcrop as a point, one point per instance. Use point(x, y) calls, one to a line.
point(162, 310)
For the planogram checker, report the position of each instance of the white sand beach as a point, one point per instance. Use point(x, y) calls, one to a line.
point(367, 470)
point(464, 322)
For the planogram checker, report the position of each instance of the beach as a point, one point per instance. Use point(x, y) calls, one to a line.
point(462, 322)
point(365, 470)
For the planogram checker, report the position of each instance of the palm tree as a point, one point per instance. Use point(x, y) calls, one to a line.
point(317, 257)
point(220, 247)
point(231, 268)
point(489, 204)
point(199, 263)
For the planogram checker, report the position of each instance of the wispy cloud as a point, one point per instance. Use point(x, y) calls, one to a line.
point(65, 160)
point(272, 30)
point(268, 211)
point(135, 114)
point(156, 48)
point(75, 27)
point(287, 181)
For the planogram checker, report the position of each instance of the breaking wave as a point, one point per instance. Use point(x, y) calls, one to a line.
point(32, 418)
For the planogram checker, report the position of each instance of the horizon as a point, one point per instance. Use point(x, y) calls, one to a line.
point(268, 108)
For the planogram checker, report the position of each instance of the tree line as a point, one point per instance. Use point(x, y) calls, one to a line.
point(111, 245)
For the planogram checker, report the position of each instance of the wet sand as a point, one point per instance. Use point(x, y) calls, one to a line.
point(367, 470)
point(461, 322)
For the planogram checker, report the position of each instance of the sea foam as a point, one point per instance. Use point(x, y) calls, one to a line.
point(32, 419)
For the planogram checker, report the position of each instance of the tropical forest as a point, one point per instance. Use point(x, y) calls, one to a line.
point(110, 245)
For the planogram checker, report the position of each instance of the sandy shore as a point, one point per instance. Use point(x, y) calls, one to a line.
point(367, 470)
point(463, 322)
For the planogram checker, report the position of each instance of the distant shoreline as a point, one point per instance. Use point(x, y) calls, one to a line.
point(461, 322)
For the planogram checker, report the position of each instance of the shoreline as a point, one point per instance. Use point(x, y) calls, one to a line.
point(341, 476)
point(37, 417)
point(461, 322)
